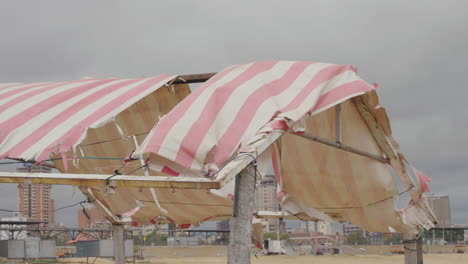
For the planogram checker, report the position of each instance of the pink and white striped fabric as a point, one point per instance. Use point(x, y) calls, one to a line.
point(226, 113)
point(37, 119)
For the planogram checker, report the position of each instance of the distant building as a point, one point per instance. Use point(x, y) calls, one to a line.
point(35, 201)
point(441, 207)
point(349, 228)
point(322, 227)
point(96, 218)
point(163, 229)
point(265, 200)
point(222, 225)
point(313, 239)
point(373, 238)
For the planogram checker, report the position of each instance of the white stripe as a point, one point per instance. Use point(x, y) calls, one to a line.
point(35, 100)
point(180, 129)
point(233, 105)
point(18, 94)
point(312, 98)
point(282, 100)
point(263, 114)
point(106, 118)
point(21, 85)
point(31, 126)
point(128, 103)
point(76, 118)
point(8, 84)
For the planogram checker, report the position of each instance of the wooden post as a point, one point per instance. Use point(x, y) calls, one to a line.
point(240, 239)
point(413, 250)
point(419, 250)
point(119, 243)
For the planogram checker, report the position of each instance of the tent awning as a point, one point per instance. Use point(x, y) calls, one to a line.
point(256, 111)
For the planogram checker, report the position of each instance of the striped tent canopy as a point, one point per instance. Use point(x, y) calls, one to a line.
point(94, 124)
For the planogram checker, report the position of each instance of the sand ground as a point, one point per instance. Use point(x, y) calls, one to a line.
point(336, 259)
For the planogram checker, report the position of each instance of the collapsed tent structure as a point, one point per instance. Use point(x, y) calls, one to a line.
point(319, 126)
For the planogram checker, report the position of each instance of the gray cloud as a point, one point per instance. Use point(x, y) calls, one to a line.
point(416, 51)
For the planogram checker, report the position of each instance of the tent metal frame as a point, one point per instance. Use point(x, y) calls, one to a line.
point(239, 247)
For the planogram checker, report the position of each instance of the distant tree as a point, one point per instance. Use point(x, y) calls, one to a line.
point(394, 239)
point(152, 238)
point(272, 236)
point(357, 238)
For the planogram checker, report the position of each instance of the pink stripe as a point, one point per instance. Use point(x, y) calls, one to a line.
point(169, 171)
point(25, 88)
point(341, 92)
point(200, 127)
point(64, 115)
point(279, 125)
point(166, 124)
point(19, 84)
point(276, 165)
point(233, 135)
point(26, 96)
point(323, 76)
point(21, 118)
point(73, 135)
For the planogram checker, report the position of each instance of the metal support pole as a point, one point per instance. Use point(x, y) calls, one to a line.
point(240, 239)
point(338, 123)
point(343, 147)
point(413, 250)
point(119, 245)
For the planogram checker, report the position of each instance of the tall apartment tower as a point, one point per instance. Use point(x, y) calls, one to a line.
point(265, 200)
point(265, 196)
point(440, 205)
point(35, 201)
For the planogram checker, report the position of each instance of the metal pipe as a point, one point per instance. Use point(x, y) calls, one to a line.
point(343, 147)
point(338, 123)
point(34, 162)
point(194, 78)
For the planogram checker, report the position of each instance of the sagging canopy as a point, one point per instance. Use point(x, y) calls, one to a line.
point(95, 124)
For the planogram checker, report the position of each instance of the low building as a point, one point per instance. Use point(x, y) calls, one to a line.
point(13, 235)
point(322, 227)
point(222, 225)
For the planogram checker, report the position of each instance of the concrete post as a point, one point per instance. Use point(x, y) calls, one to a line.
point(240, 239)
point(413, 250)
point(119, 243)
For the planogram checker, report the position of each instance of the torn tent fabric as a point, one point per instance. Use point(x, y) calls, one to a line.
point(92, 125)
point(123, 112)
point(243, 103)
point(38, 119)
point(227, 112)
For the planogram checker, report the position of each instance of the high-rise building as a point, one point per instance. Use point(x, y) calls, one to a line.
point(440, 205)
point(96, 218)
point(265, 200)
point(265, 196)
point(35, 201)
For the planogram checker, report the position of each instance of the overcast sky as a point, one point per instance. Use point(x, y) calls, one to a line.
point(415, 50)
